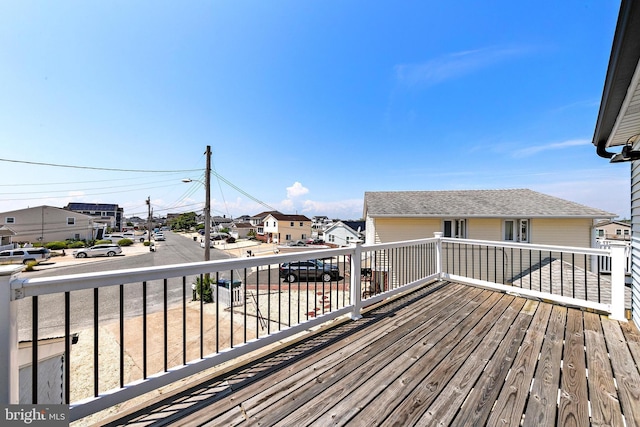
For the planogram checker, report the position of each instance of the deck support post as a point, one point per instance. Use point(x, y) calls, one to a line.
point(618, 265)
point(438, 236)
point(356, 280)
point(9, 368)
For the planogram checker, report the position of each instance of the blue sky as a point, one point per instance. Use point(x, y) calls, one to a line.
point(305, 104)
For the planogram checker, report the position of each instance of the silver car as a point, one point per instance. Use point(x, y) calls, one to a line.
point(98, 250)
point(24, 255)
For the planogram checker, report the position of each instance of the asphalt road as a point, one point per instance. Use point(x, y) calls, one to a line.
point(175, 250)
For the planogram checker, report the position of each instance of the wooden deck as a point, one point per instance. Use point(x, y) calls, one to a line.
point(445, 355)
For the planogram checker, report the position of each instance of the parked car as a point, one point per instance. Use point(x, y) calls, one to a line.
point(98, 250)
point(297, 243)
point(159, 237)
point(24, 255)
point(126, 235)
point(312, 269)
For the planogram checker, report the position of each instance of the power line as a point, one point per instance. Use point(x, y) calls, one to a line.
point(96, 168)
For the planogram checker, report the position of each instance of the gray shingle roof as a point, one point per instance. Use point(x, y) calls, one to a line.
point(522, 203)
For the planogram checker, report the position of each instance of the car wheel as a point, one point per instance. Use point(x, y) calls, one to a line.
point(111, 253)
point(81, 255)
point(291, 278)
point(326, 277)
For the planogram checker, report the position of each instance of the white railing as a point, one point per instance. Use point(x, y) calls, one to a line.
point(264, 309)
point(605, 262)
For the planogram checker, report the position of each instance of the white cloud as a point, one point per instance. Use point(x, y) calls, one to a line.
point(296, 190)
point(529, 151)
point(452, 65)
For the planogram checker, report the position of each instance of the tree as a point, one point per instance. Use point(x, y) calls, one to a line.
point(184, 221)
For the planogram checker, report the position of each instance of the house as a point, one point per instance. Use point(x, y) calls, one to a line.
point(259, 218)
point(244, 229)
point(618, 123)
point(516, 215)
point(110, 215)
point(613, 230)
point(281, 228)
point(6, 237)
point(342, 233)
point(242, 218)
point(49, 224)
point(220, 222)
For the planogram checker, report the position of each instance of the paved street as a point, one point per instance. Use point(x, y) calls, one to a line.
point(176, 249)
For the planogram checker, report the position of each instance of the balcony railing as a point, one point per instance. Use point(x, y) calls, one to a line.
point(254, 307)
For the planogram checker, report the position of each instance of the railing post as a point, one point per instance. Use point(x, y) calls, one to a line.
point(438, 236)
point(9, 369)
point(356, 283)
point(618, 267)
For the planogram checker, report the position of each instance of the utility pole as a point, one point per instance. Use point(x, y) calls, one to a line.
point(207, 206)
point(149, 220)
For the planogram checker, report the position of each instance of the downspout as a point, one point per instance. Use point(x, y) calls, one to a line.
point(602, 151)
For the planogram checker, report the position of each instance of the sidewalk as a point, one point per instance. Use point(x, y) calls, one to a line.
point(238, 249)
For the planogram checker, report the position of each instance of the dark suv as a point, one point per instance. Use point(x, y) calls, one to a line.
point(312, 269)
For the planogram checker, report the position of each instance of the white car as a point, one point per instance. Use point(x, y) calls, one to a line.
point(98, 250)
point(159, 237)
point(24, 255)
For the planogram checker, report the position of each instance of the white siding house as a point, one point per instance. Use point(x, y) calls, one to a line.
point(47, 224)
point(513, 215)
point(618, 123)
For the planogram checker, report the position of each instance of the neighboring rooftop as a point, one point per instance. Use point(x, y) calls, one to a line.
point(475, 203)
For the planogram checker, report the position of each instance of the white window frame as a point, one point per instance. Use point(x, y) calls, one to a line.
point(521, 230)
point(71, 220)
point(458, 228)
point(10, 220)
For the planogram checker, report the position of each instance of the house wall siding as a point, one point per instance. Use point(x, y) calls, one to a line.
point(635, 241)
point(47, 224)
point(562, 232)
point(484, 228)
point(397, 229)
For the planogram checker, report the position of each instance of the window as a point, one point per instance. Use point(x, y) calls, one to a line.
point(455, 228)
point(71, 221)
point(626, 232)
point(599, 232)
point(10, 220)
point(291, 224)
point(303, 237)
point(516, 230)
point(618, 232)
point(332, 238)
point(287, 237)
point(301, 224)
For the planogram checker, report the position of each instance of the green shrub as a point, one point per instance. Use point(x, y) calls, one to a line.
point(30, 266)
point(75, 245)
point(205, 290)
point(146, 243)
point(125, 242)
point(56, 246)
point(101, 242)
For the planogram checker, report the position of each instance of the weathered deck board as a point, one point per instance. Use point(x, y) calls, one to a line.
point(605, 408)
point(446, 404)
point(511, 402)
point(573, 408)
point(625, 373)
point(454, 355)
point(365, 383)
point(541, 409)
point(477, 407)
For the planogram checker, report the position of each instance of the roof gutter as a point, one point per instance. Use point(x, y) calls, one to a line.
point(622, 65)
